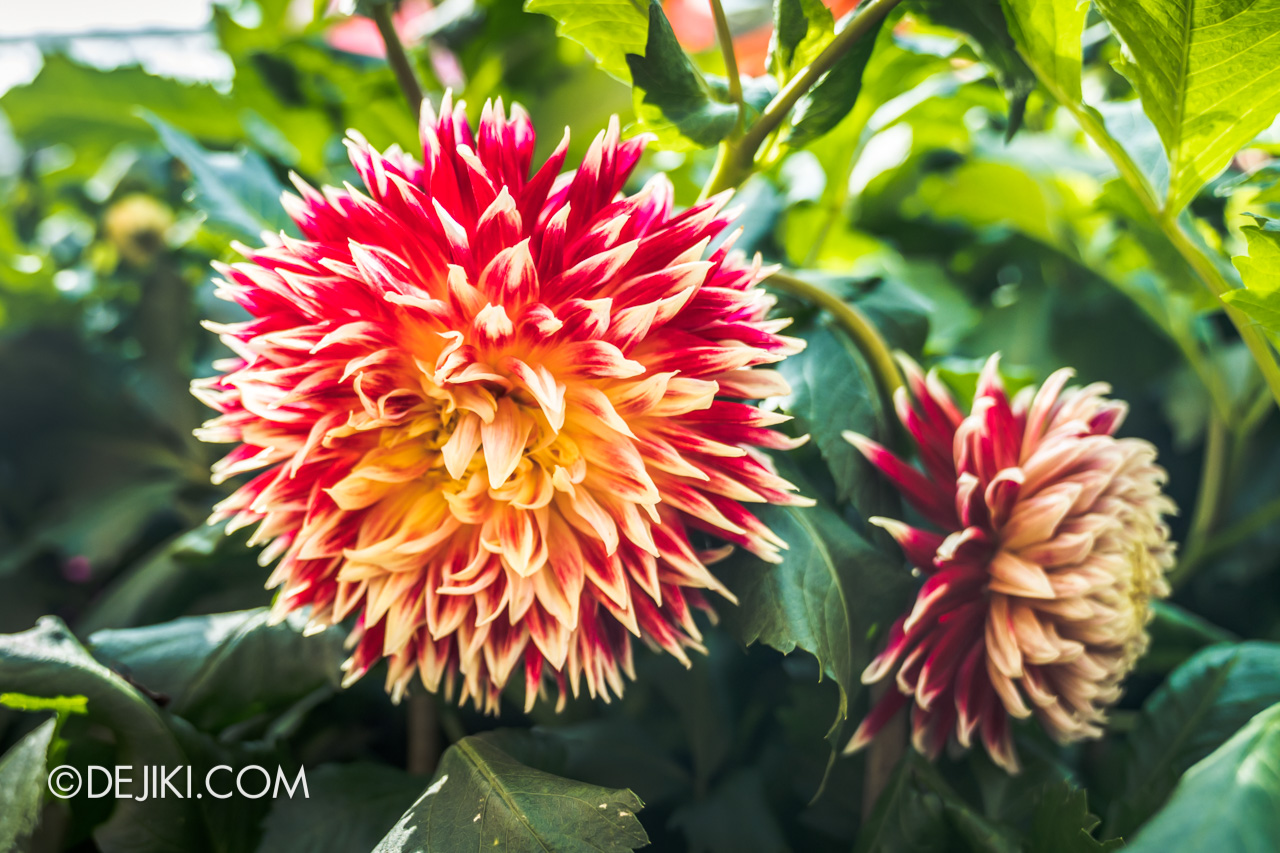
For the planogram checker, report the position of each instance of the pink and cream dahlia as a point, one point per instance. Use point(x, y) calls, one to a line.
point(1037, 588)
point(488, 407)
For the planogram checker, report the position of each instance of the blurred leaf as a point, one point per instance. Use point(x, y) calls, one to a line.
point(236, 191)
point(1062, 823)
point(58, 704)
point(1260, 271)
point(350, 807)
point(482, 798)
point(609, 29)
point(1227, 801)
point(23, 773)
point(226, 669)
point(1205, 72)
point(1202, 704)
point(828, 596)
point(672, 99)
point(1176, 635)
point(733, 818)
point(984, 23)
point(824, 106)
point(1047, 33)
point(49, 661)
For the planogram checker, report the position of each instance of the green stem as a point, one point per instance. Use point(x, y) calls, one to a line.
point(1244, 529)
point(406, 77)
point(737, 156)
point(1213, 479)
point(853, 321)
point(725, 38)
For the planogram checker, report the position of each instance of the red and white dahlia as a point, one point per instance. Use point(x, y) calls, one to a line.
point(490, 405)
point(1038, 587)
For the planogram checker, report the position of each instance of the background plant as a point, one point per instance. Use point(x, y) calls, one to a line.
point(1067, 184)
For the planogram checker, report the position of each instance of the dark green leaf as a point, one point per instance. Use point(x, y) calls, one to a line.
point(609, 29)
point(23, 773)
point(1205, 72)
point(1202, 704)
point(801, 28)
point(829, 596)
point(350, 808)
point(236, 191)
point(1062, 823)
point(833, 96)
point(226, 669)
point(1229, 801)
point(482, 798)
point(733, 818)
point(983, 22)
point(672, 98)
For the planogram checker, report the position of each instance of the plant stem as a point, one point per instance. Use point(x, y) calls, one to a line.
point(737, 156)
point(725, 38)
point(406, 77)
point(883, 754)
point(1213, 477)
point(853, 321)
point(424, 734)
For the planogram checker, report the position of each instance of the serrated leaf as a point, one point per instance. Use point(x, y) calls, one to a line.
point(671, 97)
point(23, 773)
point(1205, 70)
point(833, 96)
point(983, 22)
point(1260, 272)
point(350, 807)
point(481, 798)
point(1062, 823)
point(1201, 704)
point(829, 596)
point(236, 191)
point(1229, 801)
point(228, 668)
point(608, 29)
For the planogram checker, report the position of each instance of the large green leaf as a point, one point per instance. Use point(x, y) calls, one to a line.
point(226, 669)
point(482, 799)
point(23, 772)
point(1260, 272)
point(672, 98)
point(1229, 801)
point(1207, 74)
point(829, 596)
point(1202, 704)
point(236, 191)
point(349, 807)
point(1047, 33)
point(48, 661)
point(1062, 823)
point(609, 29)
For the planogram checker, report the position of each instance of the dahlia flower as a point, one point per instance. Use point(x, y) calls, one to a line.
point(1052, 545)
point(491, 405)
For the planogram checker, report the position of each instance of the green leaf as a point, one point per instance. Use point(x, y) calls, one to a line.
point(48, 661)
point(481, 799)
point(829, 596)
point(833, 96)
point(671, 97)
point(801, 29)
point(1205, 70)
point(608, 29)
point(226, 669)
point(1202, 703)
point(23, 773)
point(984, 23)
point(1047, 34)
point(1260, 272)
point(1061, 823)
point(236, 191)
point(833, 390)
point(350, 807)
point(1228, 801)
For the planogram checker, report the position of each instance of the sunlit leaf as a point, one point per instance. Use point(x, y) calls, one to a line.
point(23, 773)
point(1260, 272)
point(609, 29)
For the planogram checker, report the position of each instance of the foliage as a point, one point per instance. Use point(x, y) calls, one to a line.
point(1070, 185)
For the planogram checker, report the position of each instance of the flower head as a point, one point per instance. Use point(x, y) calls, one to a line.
point(490, 406)
point(1052, 545)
